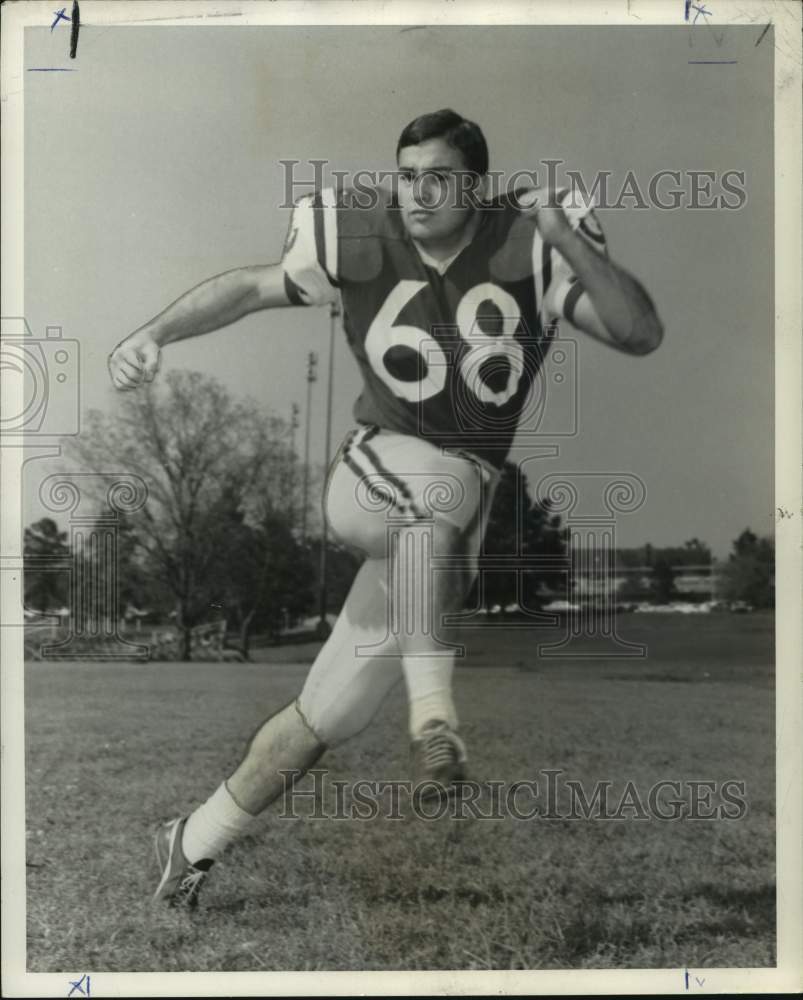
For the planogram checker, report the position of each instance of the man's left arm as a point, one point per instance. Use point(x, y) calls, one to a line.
point(601, 298)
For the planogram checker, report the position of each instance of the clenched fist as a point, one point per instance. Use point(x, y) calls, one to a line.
point(550, 217)
point(135, 360)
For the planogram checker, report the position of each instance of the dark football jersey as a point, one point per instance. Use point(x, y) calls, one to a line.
point(447, 352)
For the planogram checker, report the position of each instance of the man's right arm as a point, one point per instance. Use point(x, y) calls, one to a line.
point(213, 304)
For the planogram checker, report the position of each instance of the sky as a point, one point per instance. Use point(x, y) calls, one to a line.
point(155, 164)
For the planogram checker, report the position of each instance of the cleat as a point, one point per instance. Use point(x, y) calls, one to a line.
point(439, 759)
point(181, 882)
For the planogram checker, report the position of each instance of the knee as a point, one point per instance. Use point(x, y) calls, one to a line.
point(336, 714)
point(331, 724)
point(337, 722)
point(287, 728)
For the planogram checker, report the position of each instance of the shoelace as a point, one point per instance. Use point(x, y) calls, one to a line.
point(188, 886)
point(439, 750)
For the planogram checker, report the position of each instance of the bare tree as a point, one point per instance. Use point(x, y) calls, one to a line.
point(203, 455)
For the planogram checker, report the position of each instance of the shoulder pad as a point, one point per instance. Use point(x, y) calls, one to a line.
point(366, 218)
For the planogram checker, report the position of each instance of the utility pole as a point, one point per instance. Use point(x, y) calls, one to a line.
point(312, 366)
point(334, 313)
point(294, 424)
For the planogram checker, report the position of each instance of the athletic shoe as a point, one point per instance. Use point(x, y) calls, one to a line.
point(439, 758)
point(181, 882)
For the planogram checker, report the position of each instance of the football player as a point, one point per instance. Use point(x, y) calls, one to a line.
point(448, 298)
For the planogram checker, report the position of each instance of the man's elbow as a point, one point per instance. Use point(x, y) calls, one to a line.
point(265, 287)
point(646, 337)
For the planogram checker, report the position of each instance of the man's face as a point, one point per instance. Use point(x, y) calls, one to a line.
point(435, 198)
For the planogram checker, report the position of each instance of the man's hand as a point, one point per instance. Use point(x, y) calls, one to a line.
point(549, 216)
point(135, 360)
point(552, 224)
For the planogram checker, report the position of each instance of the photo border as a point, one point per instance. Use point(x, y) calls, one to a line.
point(786, 977)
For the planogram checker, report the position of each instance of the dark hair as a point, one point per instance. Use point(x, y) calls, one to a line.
point(455, 130)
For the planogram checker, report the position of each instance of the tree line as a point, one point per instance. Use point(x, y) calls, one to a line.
point(220, 532)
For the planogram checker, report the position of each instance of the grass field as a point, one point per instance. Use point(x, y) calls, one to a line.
point(112, 749)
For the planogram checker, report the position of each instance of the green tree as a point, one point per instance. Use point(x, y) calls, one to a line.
point(697, 552)
point(692, 553)
point(45, 567)
point(267, 573)
point(662, 581)
point(749, 573)
point(137, 578)
point(518, 526)
point(544, 536)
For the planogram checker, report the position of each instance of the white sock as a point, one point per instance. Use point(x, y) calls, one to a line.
point(429, 690)
point(213, 826)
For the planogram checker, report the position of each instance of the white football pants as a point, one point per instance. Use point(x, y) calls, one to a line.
point(380, 486)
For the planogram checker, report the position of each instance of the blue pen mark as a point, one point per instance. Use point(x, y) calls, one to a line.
point(698, 9)
point(50, 69)
point(696, 979)
point(79, 986)
point(713, 62)
point(60, 16)
point(764, 32)
point(75, 25)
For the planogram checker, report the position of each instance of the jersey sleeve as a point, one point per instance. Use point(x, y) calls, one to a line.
point(310, 257)
point(564, 290)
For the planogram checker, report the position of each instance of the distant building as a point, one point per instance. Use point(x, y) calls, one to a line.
point(632, 573)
